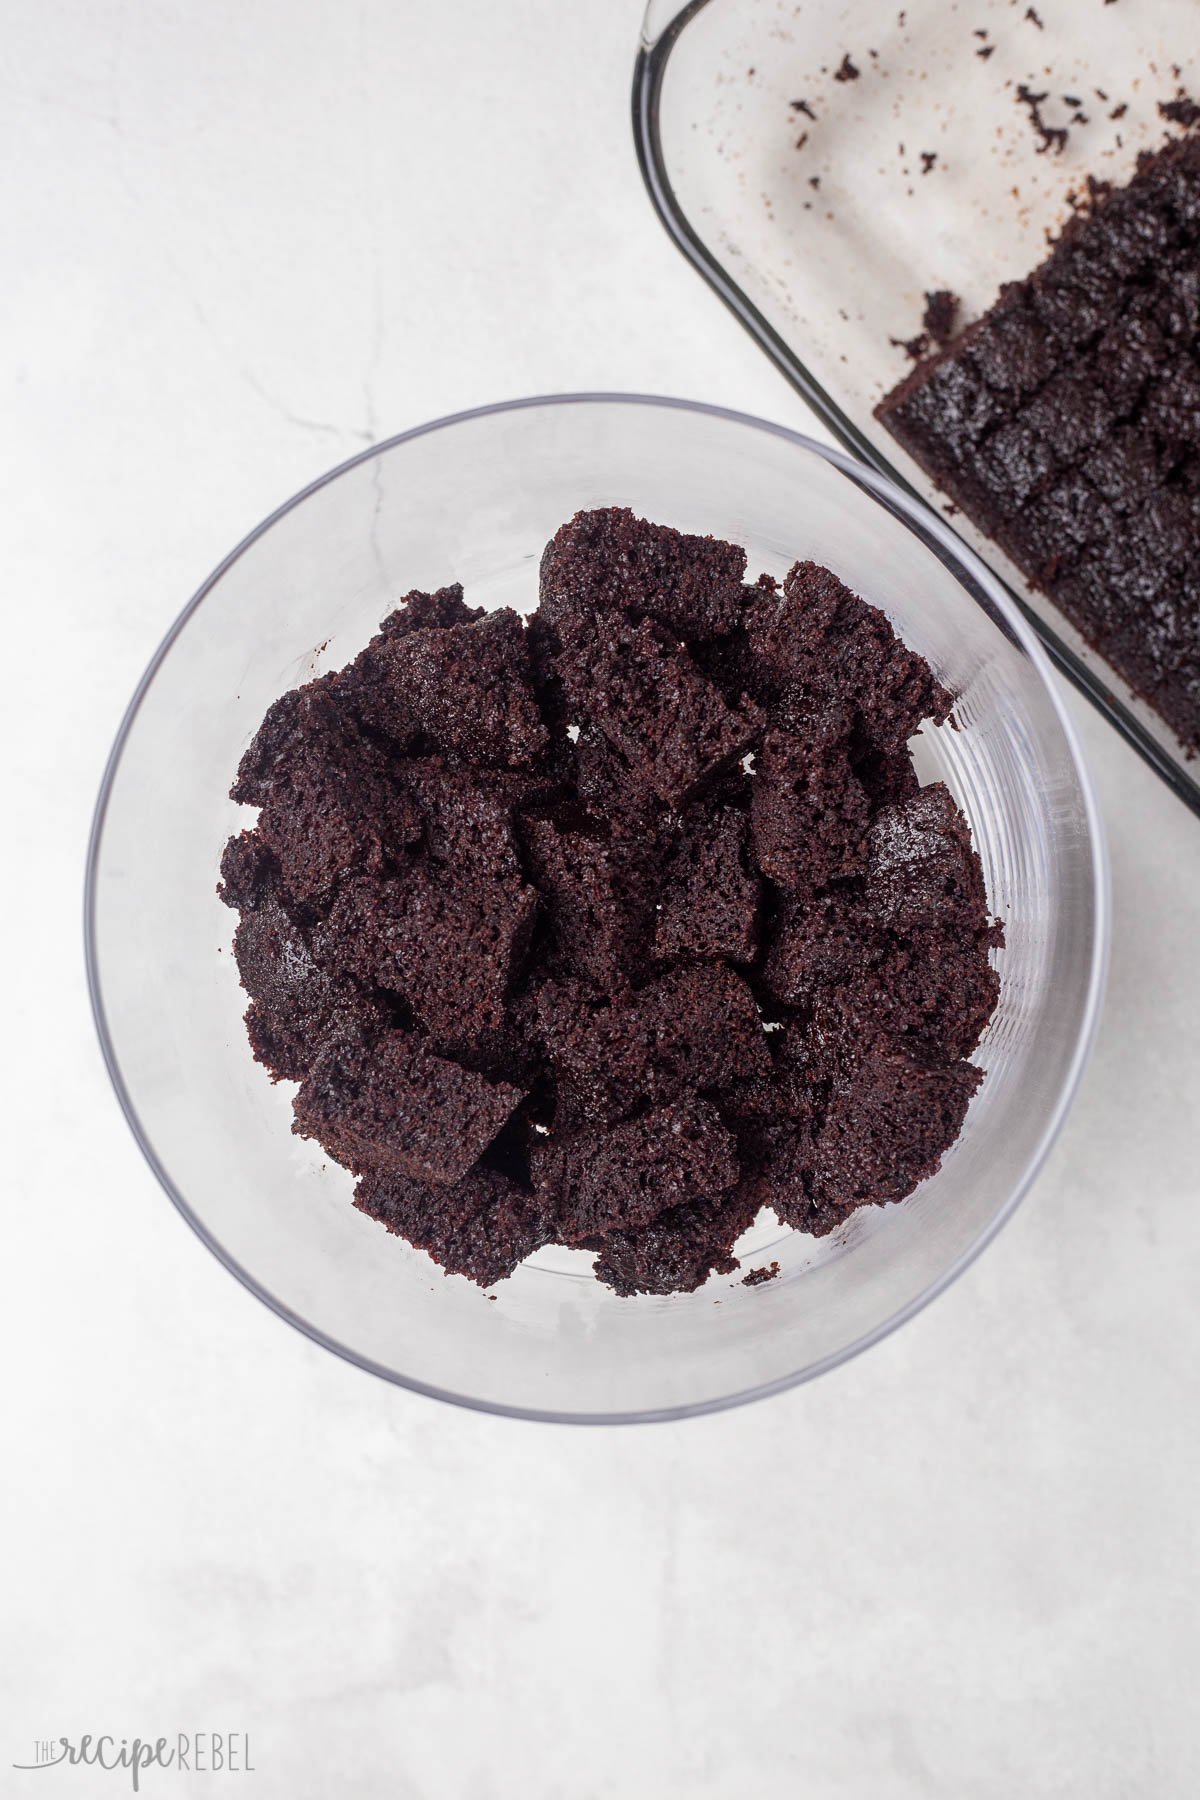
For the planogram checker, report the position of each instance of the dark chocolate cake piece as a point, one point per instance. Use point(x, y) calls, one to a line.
point(598, 899)
point(817, 646)
point(678, 1251)
point(329, 797)
point(609, 789)
point(249, 872)
point(610, 560)
point(709, 897)
point(390, 1104)
point(294, 1003)
point(697, 1027)
point(817, 942)
point(448, 949)
point(922, 869)
point(774, 1118)
point(465, 690)
point(888, 1123)
point(809, 814)
point(425, 612)
point(642, 690)
point(620, 1177)
point(481, 1227)
point(1066, 424)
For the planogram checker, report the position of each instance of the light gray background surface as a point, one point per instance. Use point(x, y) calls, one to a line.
point(241, 241)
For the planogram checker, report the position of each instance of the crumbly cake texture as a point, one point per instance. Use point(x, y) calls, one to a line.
point(1066, 424)
point(611, 927)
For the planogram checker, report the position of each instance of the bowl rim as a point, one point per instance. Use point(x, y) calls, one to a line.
point(915, 515)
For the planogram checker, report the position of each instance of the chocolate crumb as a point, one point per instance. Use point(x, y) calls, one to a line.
point(937, 324)
point(985, 52)
point(845, 70)
point(941, 311)
point(1053, 137)
point(814, 181)
point(801, 140)
point(928, 159)
point(1182, 110)
point(1031, 15)
point(1118, 112)
point(756, 1277)
point(802, 106)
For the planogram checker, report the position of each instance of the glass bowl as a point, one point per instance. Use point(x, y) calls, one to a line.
point(473, 499)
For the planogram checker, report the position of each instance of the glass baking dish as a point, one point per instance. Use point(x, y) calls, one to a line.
point(824, 166)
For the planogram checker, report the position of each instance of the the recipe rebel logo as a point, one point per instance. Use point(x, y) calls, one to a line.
point(196, 1752)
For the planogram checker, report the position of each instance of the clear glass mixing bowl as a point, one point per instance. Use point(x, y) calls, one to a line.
point(473, 499)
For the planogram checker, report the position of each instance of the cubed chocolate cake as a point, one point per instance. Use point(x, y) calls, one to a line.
point(1066, 424)
point(619, 1177)
point(388, 1103)
point(610, 929)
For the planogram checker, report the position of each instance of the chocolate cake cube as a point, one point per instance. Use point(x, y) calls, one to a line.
point(295, 1004)
point(696, 1028)
point(329, 797)
point(621, 1177)
point(598, 899)
point(773, 1117)
point(249, 872)
point(952, 404)
point(817, 645)
point(482, 1226)
point(332, 818)
point(468, 816)
point(778, 1157)
point(885, 776)
point(888, 1124)
point(306, 718)
point(709, 895)
point(817, 942)
point(1069, 416)
point(437, 611)
point(922, 869)
point(610, 791)
point(678, 1251)
point(670, 724)
point(809, 815)
point(391, 1105)
point(1014, 353)
point(1126, 470)
point(1016, 462)
point(935, 991)
point(610, 560)
point(449, 948)
point(463, 690)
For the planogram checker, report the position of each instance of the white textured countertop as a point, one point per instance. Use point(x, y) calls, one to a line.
point(241, 241)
